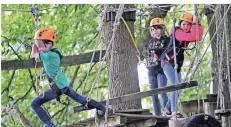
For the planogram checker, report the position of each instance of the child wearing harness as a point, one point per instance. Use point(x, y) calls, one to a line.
point(184, 34)
point(152, 52)
point(43, 49)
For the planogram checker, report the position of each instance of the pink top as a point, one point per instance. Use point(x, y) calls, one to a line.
point(181, 36)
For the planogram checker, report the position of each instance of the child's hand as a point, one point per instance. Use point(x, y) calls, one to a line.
point(34, 48)
point(35, 52)
point(37, 57)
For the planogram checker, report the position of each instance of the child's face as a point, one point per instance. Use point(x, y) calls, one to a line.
point(42, 46)
point(185, 26)
point(156, 31)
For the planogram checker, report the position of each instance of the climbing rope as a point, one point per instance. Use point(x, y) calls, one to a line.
point(200, 44)
point(227, 48)
point(219, 94)
point(115, 27)
point(43, 9)
point(89, 69)
point(97, 84)
point(116, 23)
point(174, 45)
point(92, 58)
point(196, 57)
point(197, 54)
point(100, 67)
point(220, 48)
point(133, 40)
point(211, 40)
point(36, 79)
point(106, 112)
point(221, 72)
point(141, 8)
point(35, 11)
point(42, 77)
point(174, 53)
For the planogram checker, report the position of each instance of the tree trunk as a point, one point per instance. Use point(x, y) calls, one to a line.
point(229, 45)
point(221, 60)
point(213, 63)
point(122, 63)
point(226, 91)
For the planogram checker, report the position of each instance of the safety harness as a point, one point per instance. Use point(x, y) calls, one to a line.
point(52, 81)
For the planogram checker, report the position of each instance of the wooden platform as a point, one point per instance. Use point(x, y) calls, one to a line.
point(139, 118)
point(191, 107)
point(135, 117)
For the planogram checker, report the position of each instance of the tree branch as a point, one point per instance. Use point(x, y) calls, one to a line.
point(23, 97)
point(81, 83)
point(59, 111)
point(75, 75)
point(14, 111)
point(9, 84)
point(14, 51)
point(32, 81)
point(66, 61)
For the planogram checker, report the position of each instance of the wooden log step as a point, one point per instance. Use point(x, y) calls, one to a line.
point(116, 120)
point(143, 123)
point(223, 112)
point(142, 116)
point(139, 95)
point(121, 119)
point(134, 111)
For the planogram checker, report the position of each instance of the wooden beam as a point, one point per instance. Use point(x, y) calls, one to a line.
point(225, 112)
point(66, 61)
point(139, 95)
point(143, 123)
point(134, 111)
point(141, 116)
point(191, 106)
point(179, 122)
point(112, 121)
point(210, 107)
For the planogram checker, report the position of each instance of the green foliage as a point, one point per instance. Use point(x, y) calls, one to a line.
point(76, 26)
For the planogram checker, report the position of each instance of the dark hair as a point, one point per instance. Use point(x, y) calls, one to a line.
point(157, 26)
point(47, 41)
point(179, 23)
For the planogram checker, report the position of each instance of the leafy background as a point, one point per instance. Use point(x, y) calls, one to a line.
point(76, 27)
